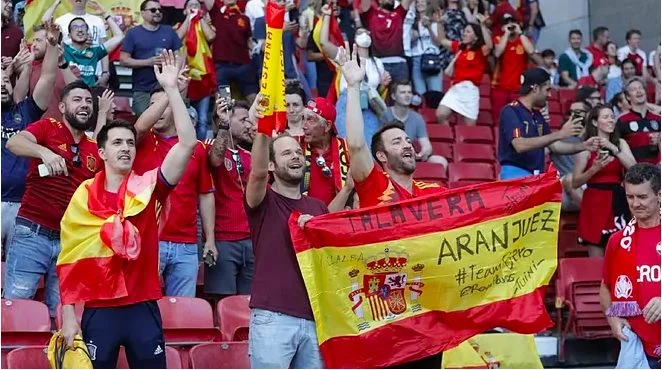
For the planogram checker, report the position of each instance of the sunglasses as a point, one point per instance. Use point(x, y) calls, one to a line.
point(237, 162)
point(321, 163)
point(76, 160)
point(153, 10)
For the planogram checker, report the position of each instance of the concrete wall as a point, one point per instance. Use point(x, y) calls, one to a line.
point(562, 16)
point(620, 16)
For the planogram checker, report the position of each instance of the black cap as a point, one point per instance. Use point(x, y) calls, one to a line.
point(532, 77)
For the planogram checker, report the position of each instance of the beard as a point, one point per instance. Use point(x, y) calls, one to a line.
point(400, 165)
point(285, 176)
point(78, 124)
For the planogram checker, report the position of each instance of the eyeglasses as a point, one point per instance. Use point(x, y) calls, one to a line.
point(153, 10)
point(76, 160)
point(237, 162)
point(321, 163)
point(78, 27)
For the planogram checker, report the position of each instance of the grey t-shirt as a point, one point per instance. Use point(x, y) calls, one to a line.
point(565, 162)
point(414, 124)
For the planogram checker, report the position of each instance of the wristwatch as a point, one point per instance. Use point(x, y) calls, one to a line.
point(64, 65)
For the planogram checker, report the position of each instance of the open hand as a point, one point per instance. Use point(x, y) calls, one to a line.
point(351, 70)
point(652, 310)
point(168, 73)
point(52, 32)
point(572, 128)
point(106, 102)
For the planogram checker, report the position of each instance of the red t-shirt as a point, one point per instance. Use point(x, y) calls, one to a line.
point(510, 66)
point(321, 187)
point(52, 111)
point(648, 268)
point(142, 274)
point(598, 54)
point(181, 225)
point(386, 30)
point(46, 198)
point(469, 66)
point(639, 63)
point(233, 30)
point(636, 130)
point(588, 81)
point(378, 189)
point(231, 220)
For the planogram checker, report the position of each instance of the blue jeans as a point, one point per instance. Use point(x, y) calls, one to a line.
point(8, 218)
point(243, 75)
point(311, 72)
point(32, 255)
point(178, 264)
point(202, 107)
point(513, 172)
point(423, 82)
point(399, 71)
point(279, 341)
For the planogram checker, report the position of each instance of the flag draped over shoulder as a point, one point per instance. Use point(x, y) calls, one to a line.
point(200, 63)
point(272, 84)
point(336, 38)
point(396, 283)
point(96, 241)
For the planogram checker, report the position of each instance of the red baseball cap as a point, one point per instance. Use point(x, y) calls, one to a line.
point(323, 108)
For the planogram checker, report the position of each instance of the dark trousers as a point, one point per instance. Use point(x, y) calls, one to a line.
point(137, 327)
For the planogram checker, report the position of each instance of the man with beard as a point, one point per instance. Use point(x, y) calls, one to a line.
point(524, 134)
point(11, 33)
point(230, 159)
point(16, 116)
point(157, 135)
point(282, 332)
point(69, 157)
point(391, 148)
point(117, 277)
point(640, 127)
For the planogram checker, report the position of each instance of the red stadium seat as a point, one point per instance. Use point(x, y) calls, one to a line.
point(187, 320)
point(555, 121)
point(569, 221)
point(430, 172)
point(485, 90)
point(234, 317)
point(225, 355)
point(484, 119)
point(2, 275)
point(554, 95)
point(485, 104)
point(473, 134)
point(3, 359)
point(470, 172)
point(24, 323)
point(487, 79)
point(78, 309)
point(568, 246)
point(173, 359)
point(578, 289)
point(567, 95)
point(443, 149)
point(429, 115)
point(440, 132)
point(554, 107)
point(474, 153)
point(32, 357)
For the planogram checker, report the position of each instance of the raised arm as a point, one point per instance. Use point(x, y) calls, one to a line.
point(175, 162)
point(487, 35)
point(209, 4)
point(22, 63)
point(362, 162)
point(330, 50)
point(207, 28)
point(150, 116)
point(182, 30)
point(105, 107)
point(118, 35)
point(443, 40)
point(43, 90)
point(365, 5)
point(500, 46)
point(217, 152)
point(256, 188)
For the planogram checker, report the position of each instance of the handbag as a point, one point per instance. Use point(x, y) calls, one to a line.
point(430, 63)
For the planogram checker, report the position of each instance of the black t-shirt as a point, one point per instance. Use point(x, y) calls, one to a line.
point(277, 281)
point(324, 73)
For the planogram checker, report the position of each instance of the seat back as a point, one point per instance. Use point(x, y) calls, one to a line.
point(224, 355)
point(470, 171)
point(440, 133)
point(587, 270)
point(474, 134)
point(34, 357)
point(234, 317)
point(568, 246)
point(433, 172)
point(590, 321)
point(173, 359)
point(463, 152)
point(24, 315)
point(187, 321)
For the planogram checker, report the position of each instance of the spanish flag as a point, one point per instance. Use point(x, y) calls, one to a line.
point(336, 38)
point(272, 84)
point(396, 283)
point(200, 63)
point(96, 240)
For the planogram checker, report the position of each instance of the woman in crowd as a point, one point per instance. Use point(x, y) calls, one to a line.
point(198, 21)
point(421, 37)
point(454, 23)
point(376, 78)
point(473, 8)
point(614, 63)
point(602, 172)
point(466, 71)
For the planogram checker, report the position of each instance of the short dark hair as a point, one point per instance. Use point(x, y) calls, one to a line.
point(241, 104)
point(395, 84)
point(102, 136)
point(77, 19)
point(616, 99)
point(630, 33)
point(377, 144)
point(598, 31)
point(272, 151)
point(584, 92)
point(66, 90)
point(575, 32)
point(591, 130)
point(143, 5)
point(628, 60)
point(296, 89)
point(548, 53)
point(644, 172)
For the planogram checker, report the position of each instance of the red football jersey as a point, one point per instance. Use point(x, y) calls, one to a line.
point(378, 189)
point(469, 66)
point(386, 30)
point(230, 179)
point(510, 66)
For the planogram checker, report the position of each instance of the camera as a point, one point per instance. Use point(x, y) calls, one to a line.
point(511, 27)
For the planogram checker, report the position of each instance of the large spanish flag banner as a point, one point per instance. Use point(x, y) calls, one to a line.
point(272, 84)
point(396, 283)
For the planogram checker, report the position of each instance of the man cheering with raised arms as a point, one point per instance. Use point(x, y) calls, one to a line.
point(110, 252)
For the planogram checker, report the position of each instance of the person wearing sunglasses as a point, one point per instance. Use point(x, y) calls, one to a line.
point(121, 287)
point(327, 157)
point(141, 51)
point(230, 160)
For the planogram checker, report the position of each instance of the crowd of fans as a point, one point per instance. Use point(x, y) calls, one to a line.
point(59, 86)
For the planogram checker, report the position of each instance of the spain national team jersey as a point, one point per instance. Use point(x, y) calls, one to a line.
point(378, 188)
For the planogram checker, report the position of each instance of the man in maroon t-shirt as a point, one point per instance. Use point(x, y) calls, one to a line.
point(230, 47)
point(385, 22)
point(640, 127)
point(11, 33)
point(131, 319)
point(282, 331)
point(230, 161)
point(62, 157)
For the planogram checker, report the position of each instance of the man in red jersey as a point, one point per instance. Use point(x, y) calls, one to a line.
point(391, 148)
point(597, 78)
point(512, 50)
point(66, 157)
point(599, 45)
point(640, 127)
point(122, 309)
point(385, 22)
point(630, 289)
point(230, 160)
point(178, 248)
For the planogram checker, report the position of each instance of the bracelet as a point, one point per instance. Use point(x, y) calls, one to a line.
point(64, 65)
point(108, 16)
point(105, 72)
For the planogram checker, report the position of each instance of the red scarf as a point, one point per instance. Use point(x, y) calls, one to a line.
point(623, 275)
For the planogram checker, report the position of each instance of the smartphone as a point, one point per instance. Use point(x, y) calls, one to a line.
point(224, 92)
point(209, 259)
point(603, 154)
point(294, 15)
point(511, 27)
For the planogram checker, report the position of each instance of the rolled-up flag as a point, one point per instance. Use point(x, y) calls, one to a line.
point(272, 84)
